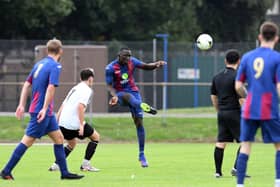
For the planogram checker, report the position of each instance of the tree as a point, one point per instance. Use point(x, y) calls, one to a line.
point(31, 19)
point(232, 21)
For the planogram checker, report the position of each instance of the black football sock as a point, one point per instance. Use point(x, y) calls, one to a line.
point(218, 157)
point(90, 149)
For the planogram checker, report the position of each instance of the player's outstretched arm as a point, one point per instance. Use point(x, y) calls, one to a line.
point(23, 98)
point(154, 65)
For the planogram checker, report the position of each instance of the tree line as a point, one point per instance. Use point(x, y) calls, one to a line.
point(131, 20)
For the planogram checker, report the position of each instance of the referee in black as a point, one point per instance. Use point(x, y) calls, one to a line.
point(228, 106)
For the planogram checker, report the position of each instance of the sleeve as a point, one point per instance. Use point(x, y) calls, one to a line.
point(85, 97)
point(109, 75)
point(241, 72)
point(30, 77)
point(54, 75)
point(213, 87)
point(137, 63)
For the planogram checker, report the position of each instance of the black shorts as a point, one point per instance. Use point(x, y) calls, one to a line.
point(71, 134)
point(229, 126)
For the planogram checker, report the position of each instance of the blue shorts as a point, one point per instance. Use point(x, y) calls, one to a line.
point(270, 130)
point(37, 130)
point(136, 110)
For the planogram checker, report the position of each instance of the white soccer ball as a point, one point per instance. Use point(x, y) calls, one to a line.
point(204, 41)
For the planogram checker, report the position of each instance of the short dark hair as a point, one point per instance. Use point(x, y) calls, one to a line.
point(269, 30)
point(232, 56)
point(86, 74)
point(123, 49)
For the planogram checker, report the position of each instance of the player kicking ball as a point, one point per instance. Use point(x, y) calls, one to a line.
point(71, 120)
point(121, 85)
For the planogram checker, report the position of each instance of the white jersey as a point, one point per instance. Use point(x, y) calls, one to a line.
point(69, 117)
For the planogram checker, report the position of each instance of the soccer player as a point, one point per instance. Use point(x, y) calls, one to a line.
point(71, 119)
point(227, 103)
point(260, 68)
point(43, 79)
point(121, 84)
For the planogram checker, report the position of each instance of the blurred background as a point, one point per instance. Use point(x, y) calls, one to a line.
point(92, 32)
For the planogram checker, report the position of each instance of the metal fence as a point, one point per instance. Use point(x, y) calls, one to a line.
point(187, 86)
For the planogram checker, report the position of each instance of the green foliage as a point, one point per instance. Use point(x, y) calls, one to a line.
point(32, 19)
point(122, 20)
point(232, 21)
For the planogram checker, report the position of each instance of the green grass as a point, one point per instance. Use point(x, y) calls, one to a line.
point(197, 110)
point(186, 165)
point(122, 129)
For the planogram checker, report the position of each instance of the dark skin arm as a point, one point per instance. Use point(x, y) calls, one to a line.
point(154, 65)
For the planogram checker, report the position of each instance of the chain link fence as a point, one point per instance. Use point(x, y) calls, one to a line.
point(188, 83)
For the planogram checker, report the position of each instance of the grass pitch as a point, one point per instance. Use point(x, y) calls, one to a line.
point(171, 164)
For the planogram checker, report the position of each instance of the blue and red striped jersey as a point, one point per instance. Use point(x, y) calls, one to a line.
point(121, 76)
point(44, 72)
point(260, 68)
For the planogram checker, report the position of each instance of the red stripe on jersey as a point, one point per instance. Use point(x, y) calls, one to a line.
point(34, 102)
point(242, 77)
point(266, 101)
point(117, 72)
point(51, 109)
point(131, 81)
point(247, 110)
point(29, 79)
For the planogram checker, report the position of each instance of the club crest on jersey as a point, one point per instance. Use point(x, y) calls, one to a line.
point(125, 78)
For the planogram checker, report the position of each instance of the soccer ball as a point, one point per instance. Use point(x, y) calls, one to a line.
point(204, 41)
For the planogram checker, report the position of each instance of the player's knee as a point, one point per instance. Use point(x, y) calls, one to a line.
point(95, 136)
point(71, 145)
point(59, 138)
point(221, 145)
point(126, 97)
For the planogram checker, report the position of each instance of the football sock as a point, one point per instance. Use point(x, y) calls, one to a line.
point(90, 150)
point(237, 153)
point(218, 157)
point(277, 164)
point(16, 156)
point(67, 150)
point(141, 137)
point(60, 158)
point(241, 167)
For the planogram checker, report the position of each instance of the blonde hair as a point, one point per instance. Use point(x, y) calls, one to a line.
point(54, 46)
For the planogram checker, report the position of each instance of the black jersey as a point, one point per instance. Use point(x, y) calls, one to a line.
point(223, 87)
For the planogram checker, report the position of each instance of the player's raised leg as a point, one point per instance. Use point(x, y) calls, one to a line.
point(135, 101)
